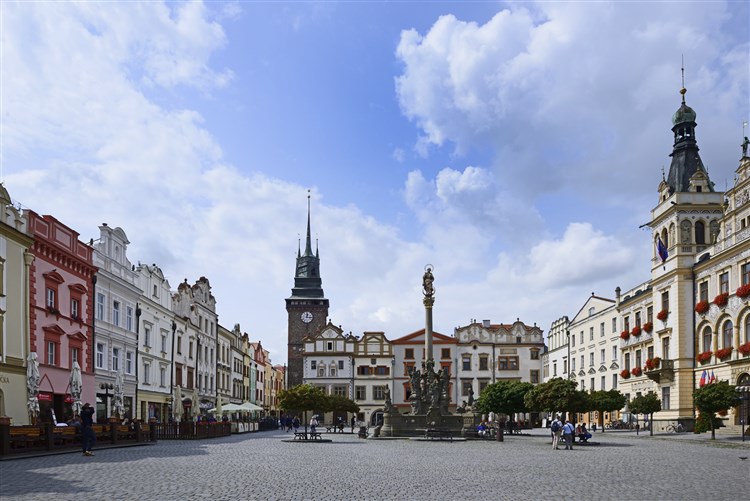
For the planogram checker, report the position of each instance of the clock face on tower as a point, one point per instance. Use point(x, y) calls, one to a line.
point(307, 317)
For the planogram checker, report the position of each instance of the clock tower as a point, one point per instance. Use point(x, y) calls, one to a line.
point(307, 307)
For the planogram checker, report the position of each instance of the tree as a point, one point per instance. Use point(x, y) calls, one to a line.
point(607, 401)
point(557, 395)
point(715, 397)
point(646, 404)
point(303, 398)
point(504, 397)
point(337, 403)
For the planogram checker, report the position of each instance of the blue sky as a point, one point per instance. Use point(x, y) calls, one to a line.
point(515, 146)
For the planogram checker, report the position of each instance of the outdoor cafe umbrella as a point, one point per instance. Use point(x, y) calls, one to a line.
point(249, 406)
point(177, 404)
point(118, 406)
point(76, 386)
point(32, 385)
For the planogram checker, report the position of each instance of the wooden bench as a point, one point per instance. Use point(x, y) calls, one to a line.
point(25, 436)
point(433, 433)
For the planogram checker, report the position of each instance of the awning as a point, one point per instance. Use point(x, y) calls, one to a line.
point(249, 406)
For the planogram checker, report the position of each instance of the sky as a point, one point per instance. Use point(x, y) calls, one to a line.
point(516, 147)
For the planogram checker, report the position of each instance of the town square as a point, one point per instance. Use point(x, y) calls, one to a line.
point(260, 466)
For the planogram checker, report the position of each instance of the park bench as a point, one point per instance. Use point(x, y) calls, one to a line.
point(301, 435)
point(434, 433)
point(25, 436)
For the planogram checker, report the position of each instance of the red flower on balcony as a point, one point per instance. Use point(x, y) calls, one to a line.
point(702, 307)
point(723, 353)
point(648, 326)
point(744, 348)
point(625, 374)
point(636, 371)
point(625, 335)
point(743, 290)
point(636, 330)
point(722, 299)
point(652, 363)
point(662, 315)
point(704, 357)
point(656, 361)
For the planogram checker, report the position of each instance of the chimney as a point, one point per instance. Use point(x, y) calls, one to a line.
point(486, 324)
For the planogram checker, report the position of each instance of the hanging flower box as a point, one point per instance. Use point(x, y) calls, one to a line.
point(744, 348)
point(662, 315)
point(702, 307)
point(625, 374)
point(648, 327)
point(721, 300)
point(656, 361)
point(652, 363)
point(636, 371)
point(636, 330)
point(723, 353)
point(704, 357)
point(625, 335)
point(743, 291)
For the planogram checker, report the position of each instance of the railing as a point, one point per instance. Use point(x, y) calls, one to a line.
point(190, 430)
point(47, 437)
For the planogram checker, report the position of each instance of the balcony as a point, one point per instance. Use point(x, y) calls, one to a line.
point(663, 373)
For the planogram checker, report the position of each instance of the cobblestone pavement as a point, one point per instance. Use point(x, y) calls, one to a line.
point(261, 466)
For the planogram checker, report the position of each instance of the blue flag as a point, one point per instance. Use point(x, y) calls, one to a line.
point(663, 254)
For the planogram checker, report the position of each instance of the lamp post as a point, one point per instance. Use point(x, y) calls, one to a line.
point(744, 396)
point(106, 387)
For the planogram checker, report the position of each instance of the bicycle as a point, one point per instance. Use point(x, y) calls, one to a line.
point(678, 428)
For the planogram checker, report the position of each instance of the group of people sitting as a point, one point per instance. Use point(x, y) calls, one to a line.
point(582, 433)
point(485, 429)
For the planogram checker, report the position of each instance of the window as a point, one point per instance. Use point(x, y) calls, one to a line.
point(51, 353)
point(626, 323)
point(99, 306)
point(156, 291)
point(409, 353)
point(340, 390)
point(592, 385)
point(75, 308)
point(190, 349)
point(728, 331)
point(724, 283)
point(129, 318)
point(329, 346)
point(591, 333)
point(179, 345)
point(614, 353)
point(466, 387)
point(665, 300)
point(627, 361)
point(115, 312)
point(190, 378)
point(638, 318)
point(604, 383)
point(591, 358)
point(665, 398)
point(572, 364)
point(100, 356)
point(700, 233)
point(147, 337)
point(483, 362)
point(601, 329)
point(466, 361)
point(378, 392)
point(163, 342)
point(115, 359)
point(554, 369)
point(665, 348)
point(534, 376)
point(573, 341)
point(707, 335)
point(534, 354)
point(614, 381)
point(360, 392)
point(581, 337)
point(747, 328)
point(507, 363)
point(703, 291)
point(638, 361)
point(313, 364)
point(75, 355)
point(445, 353)
point(382, 370)
point(582, 362)
point(745, 271)
point(614, 325)
point(129, 362)
point(650, 314)
point(332, 370)
point(602, 355)
point(341, 365)
point(162, 376)
point(146, 373)
point(51, 296)
point(321, 371)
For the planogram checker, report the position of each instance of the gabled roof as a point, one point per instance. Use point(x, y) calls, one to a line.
point(418, 337)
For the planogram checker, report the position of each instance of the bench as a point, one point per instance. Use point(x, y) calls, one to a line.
point(25, 436)
point(301, 435)
point(433, 433)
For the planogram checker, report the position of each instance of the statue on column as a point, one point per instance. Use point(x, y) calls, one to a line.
point(745, 144)
point(427, 279)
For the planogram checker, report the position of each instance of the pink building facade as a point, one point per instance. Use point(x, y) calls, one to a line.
point(61, 314)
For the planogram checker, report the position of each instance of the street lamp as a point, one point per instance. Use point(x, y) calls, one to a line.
point(744, 396)
point(106, 387)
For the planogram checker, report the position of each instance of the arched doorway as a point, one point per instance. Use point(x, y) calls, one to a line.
point(742, 416)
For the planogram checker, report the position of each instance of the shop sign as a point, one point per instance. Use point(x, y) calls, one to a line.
point(68, 399)
point(44, 397)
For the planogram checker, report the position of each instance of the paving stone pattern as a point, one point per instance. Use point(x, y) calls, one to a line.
point(261, 466)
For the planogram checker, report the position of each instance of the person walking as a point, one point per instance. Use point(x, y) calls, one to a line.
point(556, 429)
point(568, 431)
point(354, 422)
point(88, 437)
point(313, 424)
point(295, 423)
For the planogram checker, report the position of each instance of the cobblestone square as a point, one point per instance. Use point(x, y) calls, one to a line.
point(261, 466)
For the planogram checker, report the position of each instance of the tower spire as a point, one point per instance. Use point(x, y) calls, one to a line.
point(308, 243)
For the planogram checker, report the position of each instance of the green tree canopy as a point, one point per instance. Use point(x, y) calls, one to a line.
point(557, 395)
point(646, 404)
point(338, 403)
point(504, 397)
point(715, 397)
point(606, 401)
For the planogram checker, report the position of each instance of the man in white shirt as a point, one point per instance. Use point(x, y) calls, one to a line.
point(568, 431)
